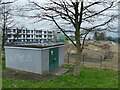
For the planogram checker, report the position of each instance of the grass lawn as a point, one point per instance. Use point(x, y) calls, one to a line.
point(0, 75)
point(89, 78)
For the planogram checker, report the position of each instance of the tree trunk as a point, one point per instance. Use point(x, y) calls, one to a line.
point(3, 39)
point(78, 44)
point(77, 62)
point(79, 52)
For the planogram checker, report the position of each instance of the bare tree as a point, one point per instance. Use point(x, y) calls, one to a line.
point(80, 16)
point(7, 19)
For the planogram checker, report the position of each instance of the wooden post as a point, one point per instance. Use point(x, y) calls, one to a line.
point(101, 62)
point(83, 59)
point(68, 56)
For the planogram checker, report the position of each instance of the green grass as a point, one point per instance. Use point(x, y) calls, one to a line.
point(0, 75)
point(89, 78)
point(3, 61)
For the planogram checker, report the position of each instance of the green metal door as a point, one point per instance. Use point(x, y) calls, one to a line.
point(53, 59)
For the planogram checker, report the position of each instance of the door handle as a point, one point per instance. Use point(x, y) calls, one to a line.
point(51, 52)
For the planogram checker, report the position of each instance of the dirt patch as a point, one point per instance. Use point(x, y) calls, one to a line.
point(93, 54)
point(17, 74)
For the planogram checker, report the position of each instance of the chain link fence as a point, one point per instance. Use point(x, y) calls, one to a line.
point(96, 60)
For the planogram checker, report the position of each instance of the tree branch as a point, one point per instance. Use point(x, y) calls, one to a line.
point(63, 31)
point(99, 12)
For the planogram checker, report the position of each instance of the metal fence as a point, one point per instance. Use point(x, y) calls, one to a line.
point(97, 60)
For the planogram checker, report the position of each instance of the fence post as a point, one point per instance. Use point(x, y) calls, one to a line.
point(68, 57)
point(101, 62)
point(83, 59)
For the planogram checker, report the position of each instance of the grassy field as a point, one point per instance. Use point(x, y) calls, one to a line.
point(89, 78)
point(0, 75)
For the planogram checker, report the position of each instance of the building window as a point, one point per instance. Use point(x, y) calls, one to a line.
point(19, 31)
point(36, 31)
point(49, 32)
point(40, 31)
point(36, 35)
point(23, 36)
point(14, 35)
point(40, 35)
point(9, 40)
point(14, 30)
point(9, 35)
point(44, 31)
point(28, 31)
point(28, 35)
point(44, 35)
point(19, 36)
point(49, 35)
point(31, 31)
point(8, 31)
point(58, 32)
point(23, 31)
point(32, 36)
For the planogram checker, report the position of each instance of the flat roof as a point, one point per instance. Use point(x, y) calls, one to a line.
point(36, 45)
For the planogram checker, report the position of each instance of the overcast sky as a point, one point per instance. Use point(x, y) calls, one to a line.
point(28, 23)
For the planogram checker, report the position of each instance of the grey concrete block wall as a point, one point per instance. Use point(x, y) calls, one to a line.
point(34, 60)
point(61, 56)
point(23, 59)
point(45, 61)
